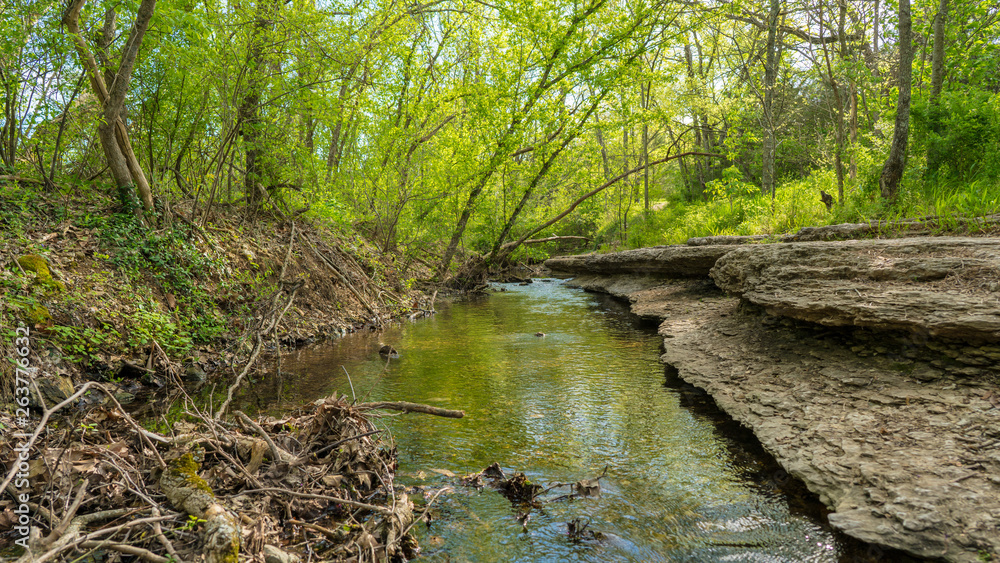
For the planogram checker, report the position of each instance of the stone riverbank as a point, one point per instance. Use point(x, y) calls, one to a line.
point(868, 368)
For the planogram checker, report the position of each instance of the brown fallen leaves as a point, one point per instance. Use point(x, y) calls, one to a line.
point(318, 481)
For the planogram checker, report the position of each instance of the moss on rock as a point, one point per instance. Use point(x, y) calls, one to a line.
point(43, 276)
point(37, 315)
point(184, 488)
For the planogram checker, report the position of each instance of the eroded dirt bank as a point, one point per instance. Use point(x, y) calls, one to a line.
point(869, 369)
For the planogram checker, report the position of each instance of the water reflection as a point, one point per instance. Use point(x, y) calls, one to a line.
point(589, 394)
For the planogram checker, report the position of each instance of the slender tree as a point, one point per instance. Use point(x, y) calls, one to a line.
point(892, 171)
point(770, 73)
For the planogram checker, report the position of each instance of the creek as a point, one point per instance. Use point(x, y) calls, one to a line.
point(684, 482)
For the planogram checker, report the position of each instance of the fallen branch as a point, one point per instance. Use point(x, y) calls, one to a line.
point(21, 179)
point(325, 449)
point(547, 239)
point(277, 454)
point(343, 279)
point(354, 503)
point(139, 552)
point(257, 345)
point(335, 535)
point(412, 407)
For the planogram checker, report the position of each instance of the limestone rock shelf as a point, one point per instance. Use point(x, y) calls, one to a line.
point(869, 369)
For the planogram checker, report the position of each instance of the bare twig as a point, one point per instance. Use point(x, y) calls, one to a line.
point(277, 454)
point(163, 539)
point(139, 552)
point(356, 504)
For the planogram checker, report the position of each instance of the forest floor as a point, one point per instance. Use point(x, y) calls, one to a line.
point(126, 323)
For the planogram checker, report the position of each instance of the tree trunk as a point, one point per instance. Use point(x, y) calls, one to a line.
point(875, 35)
point(249, 111)
point(892, 171)
point(463, 220)
point(937, 82)
point(937, 56)
point(125, 168)
point(770, 75)
point(8, 134)
point(853, 171)
point(838, 97)
point(646, 94)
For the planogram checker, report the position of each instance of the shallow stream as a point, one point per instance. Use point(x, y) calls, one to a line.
point(684, 483)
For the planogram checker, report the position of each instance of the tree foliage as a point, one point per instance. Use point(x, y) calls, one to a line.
point(451, 127)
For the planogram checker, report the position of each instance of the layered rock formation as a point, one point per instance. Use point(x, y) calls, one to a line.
point(869, 369)
point(935, 287)
point(678, 261)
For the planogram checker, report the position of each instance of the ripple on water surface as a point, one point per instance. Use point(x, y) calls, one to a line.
point(588, 394)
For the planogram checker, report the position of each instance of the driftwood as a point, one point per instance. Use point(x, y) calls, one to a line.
point(412, 407)
point(324, 459)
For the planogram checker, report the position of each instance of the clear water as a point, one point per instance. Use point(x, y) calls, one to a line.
point(682, 483)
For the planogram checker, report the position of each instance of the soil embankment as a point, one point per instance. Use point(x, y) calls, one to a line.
point(868, 368)
point(132, 343)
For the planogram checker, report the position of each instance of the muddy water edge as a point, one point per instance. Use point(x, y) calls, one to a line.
point(684, 481)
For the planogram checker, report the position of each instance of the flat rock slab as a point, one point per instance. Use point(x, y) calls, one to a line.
point(932, 287)
point(675, 261)
point(905, 455)
point(726, 239)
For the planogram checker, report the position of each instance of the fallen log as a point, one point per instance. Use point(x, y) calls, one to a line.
point(188, 492)
point(412, 407)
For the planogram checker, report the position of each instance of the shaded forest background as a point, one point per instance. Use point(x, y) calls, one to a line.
point(450, 127)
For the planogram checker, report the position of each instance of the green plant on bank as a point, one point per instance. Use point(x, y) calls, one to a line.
point(797, 204)
point(192, 523)
point(177, 265)
point(148, 323)
point(82, 344)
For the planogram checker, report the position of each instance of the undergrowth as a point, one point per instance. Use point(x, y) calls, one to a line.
point(734, 207)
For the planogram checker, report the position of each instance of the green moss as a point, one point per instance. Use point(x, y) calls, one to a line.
point(185, 468)
point(37, 314)
point(233, 553)
point(37, 265)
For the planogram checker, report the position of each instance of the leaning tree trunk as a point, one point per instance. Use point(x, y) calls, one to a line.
point(124, 166)
point(892, 171)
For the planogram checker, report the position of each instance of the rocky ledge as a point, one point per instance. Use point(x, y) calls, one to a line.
point(869, 369)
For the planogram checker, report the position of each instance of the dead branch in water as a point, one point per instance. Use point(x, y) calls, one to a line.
point(412, 407)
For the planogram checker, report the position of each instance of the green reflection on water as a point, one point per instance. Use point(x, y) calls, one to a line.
point(589, 393)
